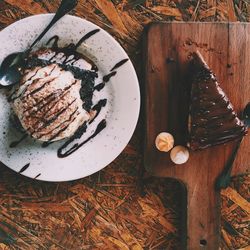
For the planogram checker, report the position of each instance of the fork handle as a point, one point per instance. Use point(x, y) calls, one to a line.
point(65, 7)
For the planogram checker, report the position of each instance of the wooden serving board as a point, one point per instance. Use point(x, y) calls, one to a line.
point(167, 46)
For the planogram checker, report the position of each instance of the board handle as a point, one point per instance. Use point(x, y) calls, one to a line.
point(202, 219)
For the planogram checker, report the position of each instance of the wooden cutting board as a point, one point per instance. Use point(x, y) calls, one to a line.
point(167, 46)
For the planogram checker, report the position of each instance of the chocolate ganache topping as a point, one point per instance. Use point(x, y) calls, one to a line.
point(212, 118)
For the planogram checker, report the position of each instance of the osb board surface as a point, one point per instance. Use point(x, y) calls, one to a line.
point(106, 210)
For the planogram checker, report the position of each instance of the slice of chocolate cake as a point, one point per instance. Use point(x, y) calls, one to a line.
point(212, 118)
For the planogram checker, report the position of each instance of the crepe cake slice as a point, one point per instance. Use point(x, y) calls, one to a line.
point(212, 118)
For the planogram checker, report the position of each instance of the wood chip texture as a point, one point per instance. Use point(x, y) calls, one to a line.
point(109, 210)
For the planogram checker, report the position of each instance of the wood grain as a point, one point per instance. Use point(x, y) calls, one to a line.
point(225, 47)
point(106, 210)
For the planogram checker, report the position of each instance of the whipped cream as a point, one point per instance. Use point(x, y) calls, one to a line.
point(48, 103)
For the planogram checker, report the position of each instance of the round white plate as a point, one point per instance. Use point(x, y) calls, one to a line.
point(121, 113)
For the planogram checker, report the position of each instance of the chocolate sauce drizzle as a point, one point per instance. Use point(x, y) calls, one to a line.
point(119, 64)
point(112, 73)
point(105, 79)
point(55, 40)
point(98, 107)
point(50, 141)
point(70, 51)
point(15, 143)
point(24, 168)
point(37, 176)
point(83, 129)
point(86, 92)
point(76, 146)
point(51, 101)
point(85, 37)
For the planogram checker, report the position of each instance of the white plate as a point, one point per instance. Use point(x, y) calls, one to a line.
point(121, 113)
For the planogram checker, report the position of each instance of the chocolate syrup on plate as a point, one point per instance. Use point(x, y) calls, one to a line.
point(119, 64)
point(112, 73)
point(15, 143)
point(105, 79)
point(37, 176)
point(76, 146)
point(24, 168)
point(98, 107)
